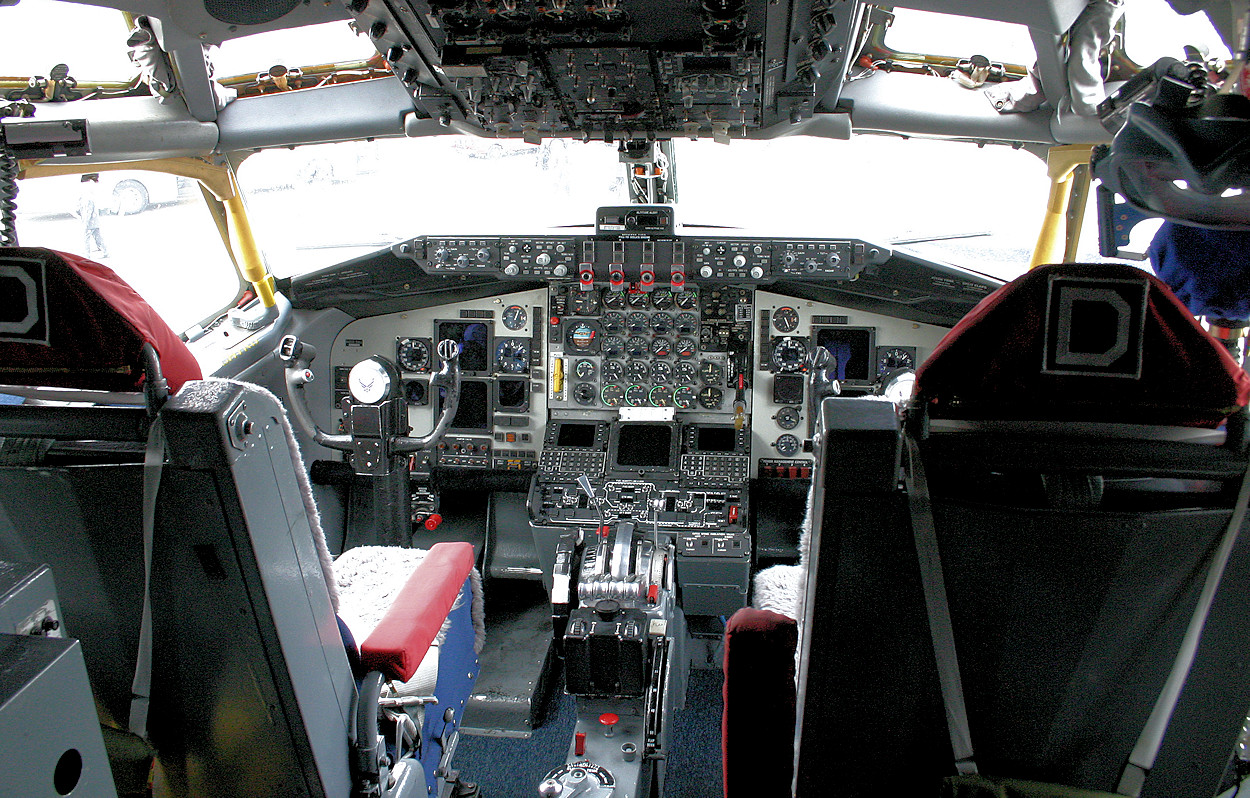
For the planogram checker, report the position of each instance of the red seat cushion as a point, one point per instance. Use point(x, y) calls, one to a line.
point(991, 364)
point(398, 644)
point(78, 325)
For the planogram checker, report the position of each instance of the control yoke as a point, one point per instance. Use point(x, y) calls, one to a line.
point(297, 356)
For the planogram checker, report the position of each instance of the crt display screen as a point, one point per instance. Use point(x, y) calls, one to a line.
point(473, 337)
point(581, 436)
point(644, 446)
point(473, 412)
point(715, 439)
point(852, 348)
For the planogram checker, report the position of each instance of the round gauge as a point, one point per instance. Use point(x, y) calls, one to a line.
point(660, 396)
point(636, 299)
point(687, 323)
point(638, 371)
point(613, 300)
point(368, 382)
point(613, 323)
point(613, 370)
point(581, 336)
point(683, 397)
point(787, 445)
point(514, 317)
point(415, 392)
point(613, 346)
point(584, 303)
point(413, 354)
point(789, 354)
point(688, 299)
point(512, 356)
point(711, 373)
point(686, 347)
point(786, 319)
point(584, 393)
point(636, 395)
point(685, 372)
point(787, 417)
point(662, 323)
point(661, 347)
point(661, 371)
point(710, 398)
point(637, 346)
point(584, 369)
point(661, 299)
point(612, 395)
point(895, 357)
point(637, 322)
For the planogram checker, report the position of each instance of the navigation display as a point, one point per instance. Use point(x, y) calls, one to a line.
point(474, 340)
point(644, 446)
point(852, 348)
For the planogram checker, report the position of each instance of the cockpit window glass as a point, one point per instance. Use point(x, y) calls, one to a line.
point(315, 206)
point(90, 40)
point(930, 33)
point(152, 228)
point(311, 45)
point(1153, 30)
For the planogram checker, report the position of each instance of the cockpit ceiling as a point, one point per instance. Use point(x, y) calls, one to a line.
point(600, 69)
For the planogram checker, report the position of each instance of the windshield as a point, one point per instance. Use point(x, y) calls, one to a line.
point(978, 207)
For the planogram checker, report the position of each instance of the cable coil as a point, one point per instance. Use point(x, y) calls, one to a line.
point(8, 198)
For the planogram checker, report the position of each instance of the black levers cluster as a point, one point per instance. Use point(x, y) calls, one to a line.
point(377, 440)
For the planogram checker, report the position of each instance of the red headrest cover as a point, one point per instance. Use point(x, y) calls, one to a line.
point(69, 322)
point(1082, 342)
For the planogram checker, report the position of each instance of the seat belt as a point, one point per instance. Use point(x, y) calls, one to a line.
point(941, 630)
point(141, 686)
point(1142, 759)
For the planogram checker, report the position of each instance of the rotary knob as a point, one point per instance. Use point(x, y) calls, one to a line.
point(834, 259)
point(560, 270)
point(462, 261)
point(512, 270)
point(543, 259)
point(705, 271)
point(740, 261)
point(483, 255)
point(757, 272)
point(789, 259)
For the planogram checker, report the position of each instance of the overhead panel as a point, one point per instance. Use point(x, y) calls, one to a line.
point(613, 69)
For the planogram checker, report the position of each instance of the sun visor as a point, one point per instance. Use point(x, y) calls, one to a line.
point(69, 322)
point(1077, 342)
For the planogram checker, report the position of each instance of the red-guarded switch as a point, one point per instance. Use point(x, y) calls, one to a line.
point(579, 744)
point(432, 522)
point(733, 513)
point(653, 594)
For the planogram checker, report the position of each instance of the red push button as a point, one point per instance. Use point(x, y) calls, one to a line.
point(609, 721)
point(432, 522)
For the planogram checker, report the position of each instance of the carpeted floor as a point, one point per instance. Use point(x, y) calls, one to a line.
point(510, 768)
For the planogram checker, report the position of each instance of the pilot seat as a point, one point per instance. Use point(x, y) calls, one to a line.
point(1035, 585)
point(189, 562)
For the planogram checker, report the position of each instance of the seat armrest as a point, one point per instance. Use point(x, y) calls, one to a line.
point(399, 642)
